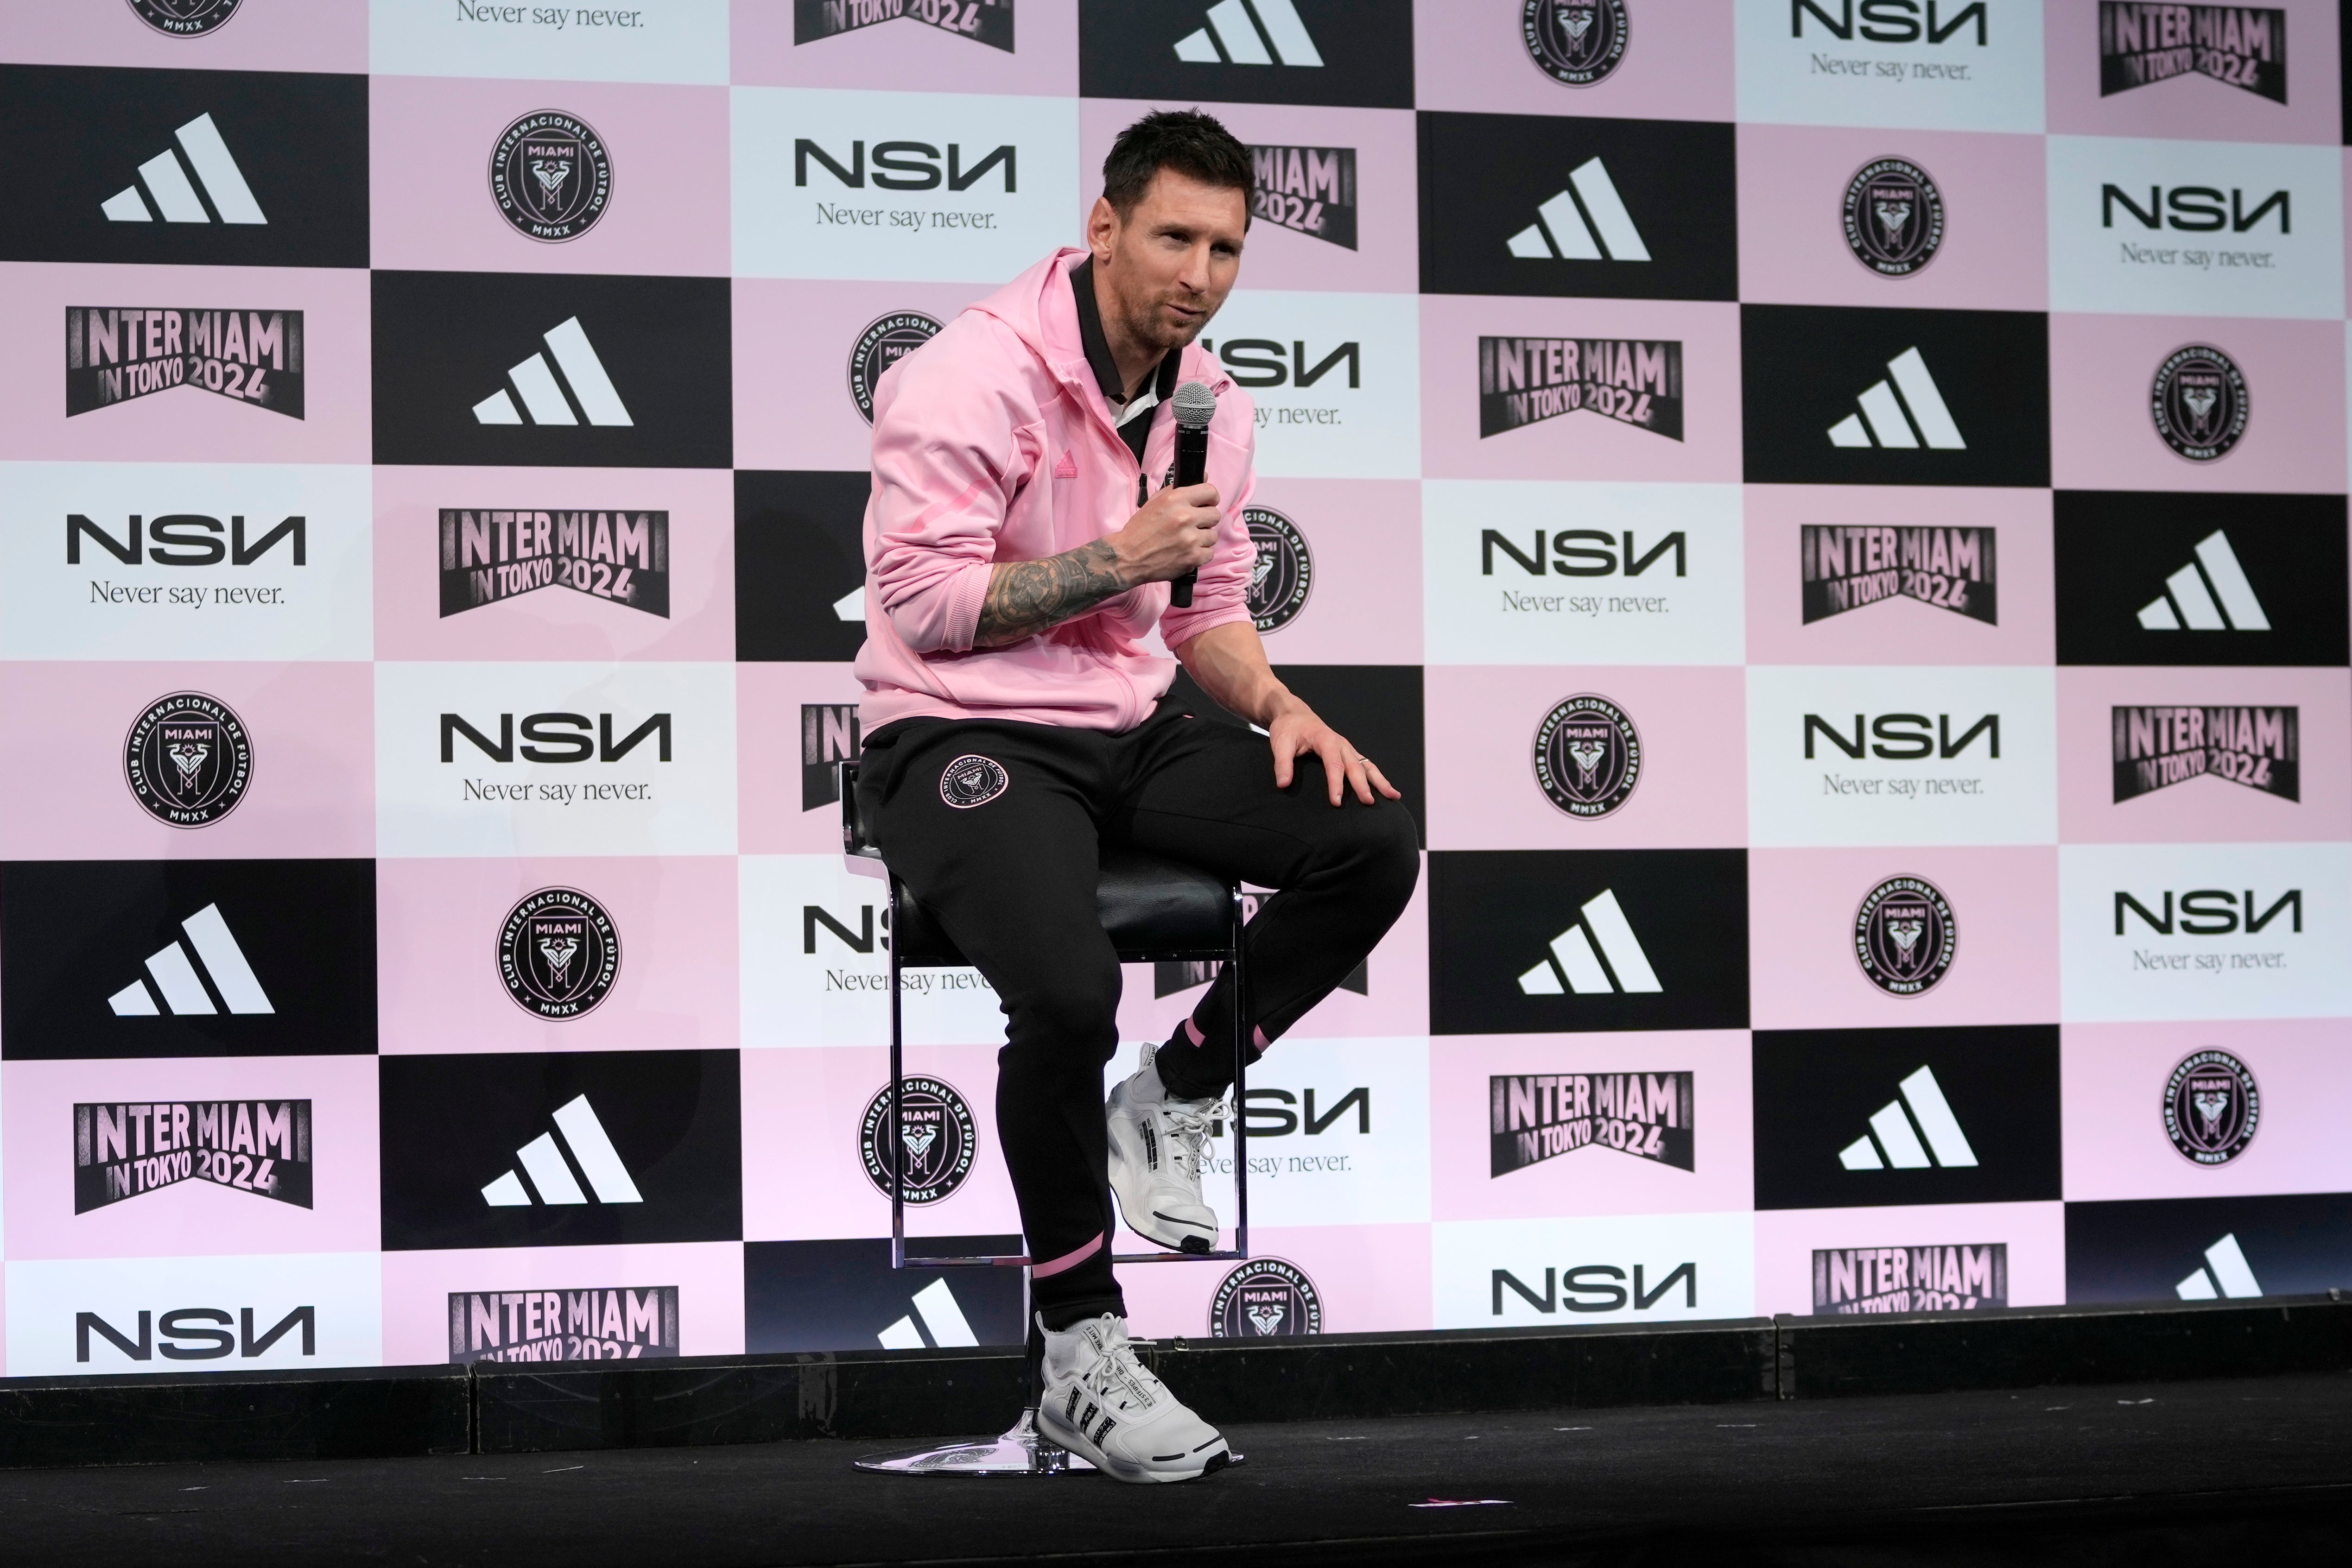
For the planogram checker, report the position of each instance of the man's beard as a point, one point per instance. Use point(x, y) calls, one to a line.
point(1150, 328)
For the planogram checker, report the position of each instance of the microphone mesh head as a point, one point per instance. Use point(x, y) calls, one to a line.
point(1195, 405)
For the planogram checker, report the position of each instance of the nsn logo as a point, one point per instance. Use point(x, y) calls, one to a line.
point(186, 538)
point(1891, 21)
point(196, 1333)
point(1594, 552)
point(2194, 209)
point(1596, 1288)
point(905, 165)
point(2208, 911)
point(556, 737)
point(1904, 737)
point(1261, 362)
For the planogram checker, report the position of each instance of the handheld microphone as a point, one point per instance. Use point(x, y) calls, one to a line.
point(1195, 406)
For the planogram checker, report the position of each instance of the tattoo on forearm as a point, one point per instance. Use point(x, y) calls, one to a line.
point(1026, 597)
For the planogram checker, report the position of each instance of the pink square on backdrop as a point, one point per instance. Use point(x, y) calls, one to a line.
point(1482, 724)
point(429, 182)
point(1899, 631)
point(803, 1112)
point(312, 788)
point(1583, 444)
point(1468, 54)
point(2103, 435)
point(1367, 1278)
point(185, 423)
point(1800, 918)
point(2207, 809)
point(793, 342)
point(1386, 258)
point(1593, 1179)
point(417, 1286)
point(263, 36)
point(1792, 248)
point(771, 816)
point(2194, 107)
point(2035, 1234)
point(194, 1218)
point(438, 931)
point(1363, 536)
point(555, 623)
point(2112, 1080)
point(904, 55)
point(1397, 1002)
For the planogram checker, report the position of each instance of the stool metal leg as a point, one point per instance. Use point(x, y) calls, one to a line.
point(1021, 1450)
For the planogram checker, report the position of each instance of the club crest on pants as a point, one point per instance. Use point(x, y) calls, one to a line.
point(1905, 938)
point(1265, 1298)
point(187, 759)
point(2212, 1107)
point(937, 1140)
point(972, 781)
point(1588, 756)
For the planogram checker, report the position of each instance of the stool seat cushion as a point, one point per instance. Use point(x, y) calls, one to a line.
point(1149, 906)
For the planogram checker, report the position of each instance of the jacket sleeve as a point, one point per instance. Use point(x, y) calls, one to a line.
point(949, 453)
point(1222, 594)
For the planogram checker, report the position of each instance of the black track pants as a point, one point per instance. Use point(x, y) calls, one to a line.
point(1008, 862)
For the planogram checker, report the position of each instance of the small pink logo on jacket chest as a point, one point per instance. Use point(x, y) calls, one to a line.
point(1067, 468)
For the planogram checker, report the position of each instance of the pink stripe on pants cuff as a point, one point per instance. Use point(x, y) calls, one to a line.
point(1066, 1261)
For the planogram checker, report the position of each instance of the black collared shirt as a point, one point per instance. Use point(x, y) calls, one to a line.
point(1134, 418)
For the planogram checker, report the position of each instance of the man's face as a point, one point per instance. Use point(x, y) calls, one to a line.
point(1170, 264)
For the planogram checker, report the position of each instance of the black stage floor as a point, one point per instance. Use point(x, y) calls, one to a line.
point(2259, 1470)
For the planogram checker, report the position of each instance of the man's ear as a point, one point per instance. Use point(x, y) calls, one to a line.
point(1102, 228)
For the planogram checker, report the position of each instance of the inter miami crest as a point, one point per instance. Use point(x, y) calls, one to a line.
point(1535, 1117)
point(2200, 403)
point(1588, 756)
point(2212, 1108)
point(972, 781)
point(1575, 42)
point(937, 1140)
point(2158, 747)
point(1894, 217)
point(2244, 46)
point(884, 344)
point(559, 954)
point(551, 176)
point(1265, 1298)
point(1283, 574)
point(1905, 938)
point(188, 760)
point(186, 18)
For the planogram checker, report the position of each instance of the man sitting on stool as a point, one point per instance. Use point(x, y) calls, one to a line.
point(1016, 555)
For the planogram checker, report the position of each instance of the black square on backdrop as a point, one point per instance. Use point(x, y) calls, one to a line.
point(1500, 919)
point(2148, 1249)
point(1630, 209)
point(291, 146)
point(1377, 707)
point(1248, 51)
point(1808, 369)
point(2160, 578)
point(1816, 1091)
point(452, 1126)
point(194, 957)
point(841, 1295)
point(800, 560)
point(448, 344)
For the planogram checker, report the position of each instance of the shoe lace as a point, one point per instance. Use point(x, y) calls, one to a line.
point(1118, 1382)
point(1189, 1132)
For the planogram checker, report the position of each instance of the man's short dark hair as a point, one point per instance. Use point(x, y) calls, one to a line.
point(1193, 144)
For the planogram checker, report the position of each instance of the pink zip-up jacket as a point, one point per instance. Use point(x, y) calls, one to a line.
point(993, 443)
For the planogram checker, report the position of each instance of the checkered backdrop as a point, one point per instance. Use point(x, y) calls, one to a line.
point(1833, 512)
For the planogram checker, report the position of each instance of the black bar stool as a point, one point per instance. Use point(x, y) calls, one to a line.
point(1152, 909)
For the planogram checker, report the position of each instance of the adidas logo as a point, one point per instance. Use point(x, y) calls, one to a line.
point(2224, 1273)
point(851, 606)
point(1574, 959)
point(943, 1322)
point(544, 395)
point(2210, 594)
point(1894, 1139)
point(179, 192)
point(1250, 33)
point(550, 1173)
point(177, 973)
point(1928, 423)
point(1587, 221)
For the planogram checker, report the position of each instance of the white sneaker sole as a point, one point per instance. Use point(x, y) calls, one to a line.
point(1189, 1467)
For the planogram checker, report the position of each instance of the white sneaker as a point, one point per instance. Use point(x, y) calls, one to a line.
point(1109, 1408)
point(1155, 1160)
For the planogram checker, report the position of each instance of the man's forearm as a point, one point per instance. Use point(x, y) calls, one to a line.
point(1026, 597)
point(1229, 663)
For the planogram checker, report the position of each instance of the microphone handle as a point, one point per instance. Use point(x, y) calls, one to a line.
point(1192, 468)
